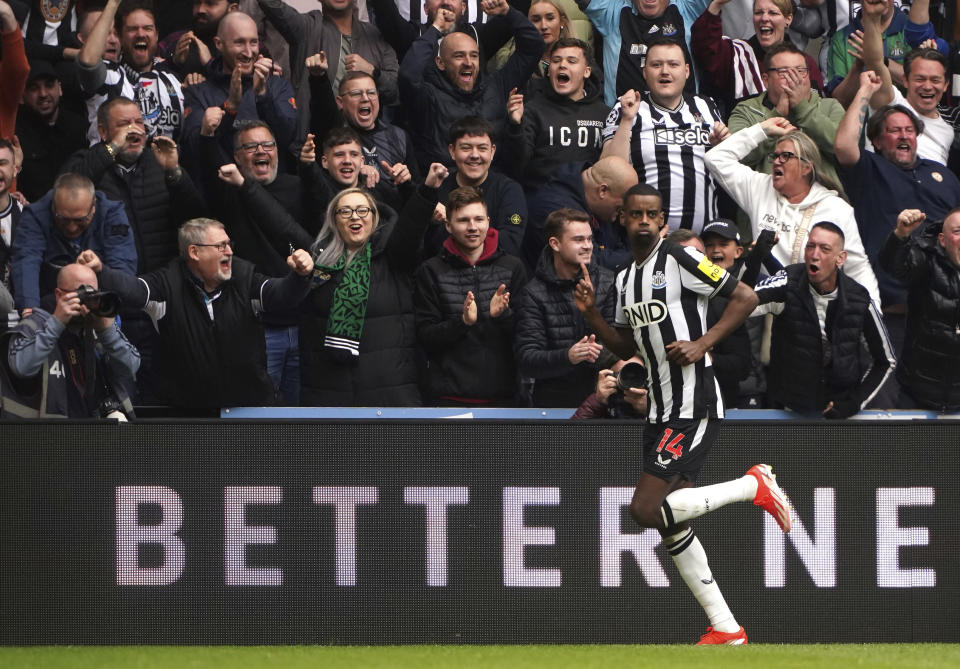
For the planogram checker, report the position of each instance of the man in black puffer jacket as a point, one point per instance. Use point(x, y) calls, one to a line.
point(929, 371)
point(157, 196)
point(464, 319)
point(822, 317)
point(553, 344)
point(438, 89)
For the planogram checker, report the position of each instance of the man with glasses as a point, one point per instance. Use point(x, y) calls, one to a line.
point(206, 306)
point(386, 148)
point(240, 86)
point(791, 199)
point(253, 181)
point(789, 95)
point(55, 229)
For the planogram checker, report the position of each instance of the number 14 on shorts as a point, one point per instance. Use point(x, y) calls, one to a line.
point(671, 446)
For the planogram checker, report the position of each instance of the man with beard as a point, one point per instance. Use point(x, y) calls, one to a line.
point(72, 363)
point(207, 305)
point(10, 211)
point(247, 190)
point(400, 32)
point(157, 196)
point(884, 182)
point(55, 229)
point(241, 84)
point(665, 132)
point(557, 123)
point(661, 311)
point(48, 132)
point(138, 75)
point(349, 44)
point(387, 148)
point(190, 50)
point(437, 88)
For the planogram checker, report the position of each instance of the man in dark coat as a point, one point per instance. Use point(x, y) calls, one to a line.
point(464, 319)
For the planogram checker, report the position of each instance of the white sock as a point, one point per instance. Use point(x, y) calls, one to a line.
point(687, 503)
point(691, 561)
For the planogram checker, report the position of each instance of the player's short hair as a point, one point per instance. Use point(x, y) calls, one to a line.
point(643, 190)
point(461, 197)
point(558, 220)
point(472, 126)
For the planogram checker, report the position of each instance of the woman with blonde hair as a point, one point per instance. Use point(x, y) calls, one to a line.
point(732, 68)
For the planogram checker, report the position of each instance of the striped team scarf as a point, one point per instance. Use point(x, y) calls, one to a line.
point(345, 322)
point(747, 79)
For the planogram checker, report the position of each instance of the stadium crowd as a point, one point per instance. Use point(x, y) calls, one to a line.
point(376, 202)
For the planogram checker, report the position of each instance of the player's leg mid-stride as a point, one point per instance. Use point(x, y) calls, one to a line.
point(681, 502)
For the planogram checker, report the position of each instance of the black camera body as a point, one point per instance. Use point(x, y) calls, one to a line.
point(100, 302)
point(631, 375)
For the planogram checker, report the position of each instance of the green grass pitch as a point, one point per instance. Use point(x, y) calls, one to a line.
point(757, 656)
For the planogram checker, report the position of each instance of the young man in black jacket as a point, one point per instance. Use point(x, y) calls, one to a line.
point(462, 301)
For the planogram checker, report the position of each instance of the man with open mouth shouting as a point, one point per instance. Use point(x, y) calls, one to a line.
point(240, 86)
point(138, 75)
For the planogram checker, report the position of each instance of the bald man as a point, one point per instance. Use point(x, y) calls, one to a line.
point(241, 86)
point(596, 189)
point(442, 82)
point(73, 363)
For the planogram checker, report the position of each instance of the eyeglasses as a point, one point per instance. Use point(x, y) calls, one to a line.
point(782, 71)
point(219, 246)
point(785, 156)
point(251, 147)
point(67, 220)
point(356, 95)
point(348, 212)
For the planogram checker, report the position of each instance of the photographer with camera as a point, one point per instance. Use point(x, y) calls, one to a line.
point(73, 363)
point(621, 392)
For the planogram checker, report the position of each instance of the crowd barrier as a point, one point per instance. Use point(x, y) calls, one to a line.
point(455, 531)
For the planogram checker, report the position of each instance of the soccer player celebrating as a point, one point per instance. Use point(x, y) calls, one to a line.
point(662, 312)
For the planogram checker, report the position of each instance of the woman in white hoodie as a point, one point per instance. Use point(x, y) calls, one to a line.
point(791, 199)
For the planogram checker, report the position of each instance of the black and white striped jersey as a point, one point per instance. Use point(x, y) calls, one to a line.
point(663, 300)
point(667, 149)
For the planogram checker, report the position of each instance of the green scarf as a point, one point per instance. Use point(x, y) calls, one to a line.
point(345, 322)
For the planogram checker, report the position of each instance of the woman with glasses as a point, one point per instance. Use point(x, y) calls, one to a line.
point(790, 200)
point(733, 68)
point(358, 335)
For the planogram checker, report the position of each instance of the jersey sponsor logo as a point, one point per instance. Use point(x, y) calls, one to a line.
point(709, 270)
point(659, 280)
point(698, 136)
point(643, 314)
point(669, 29)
